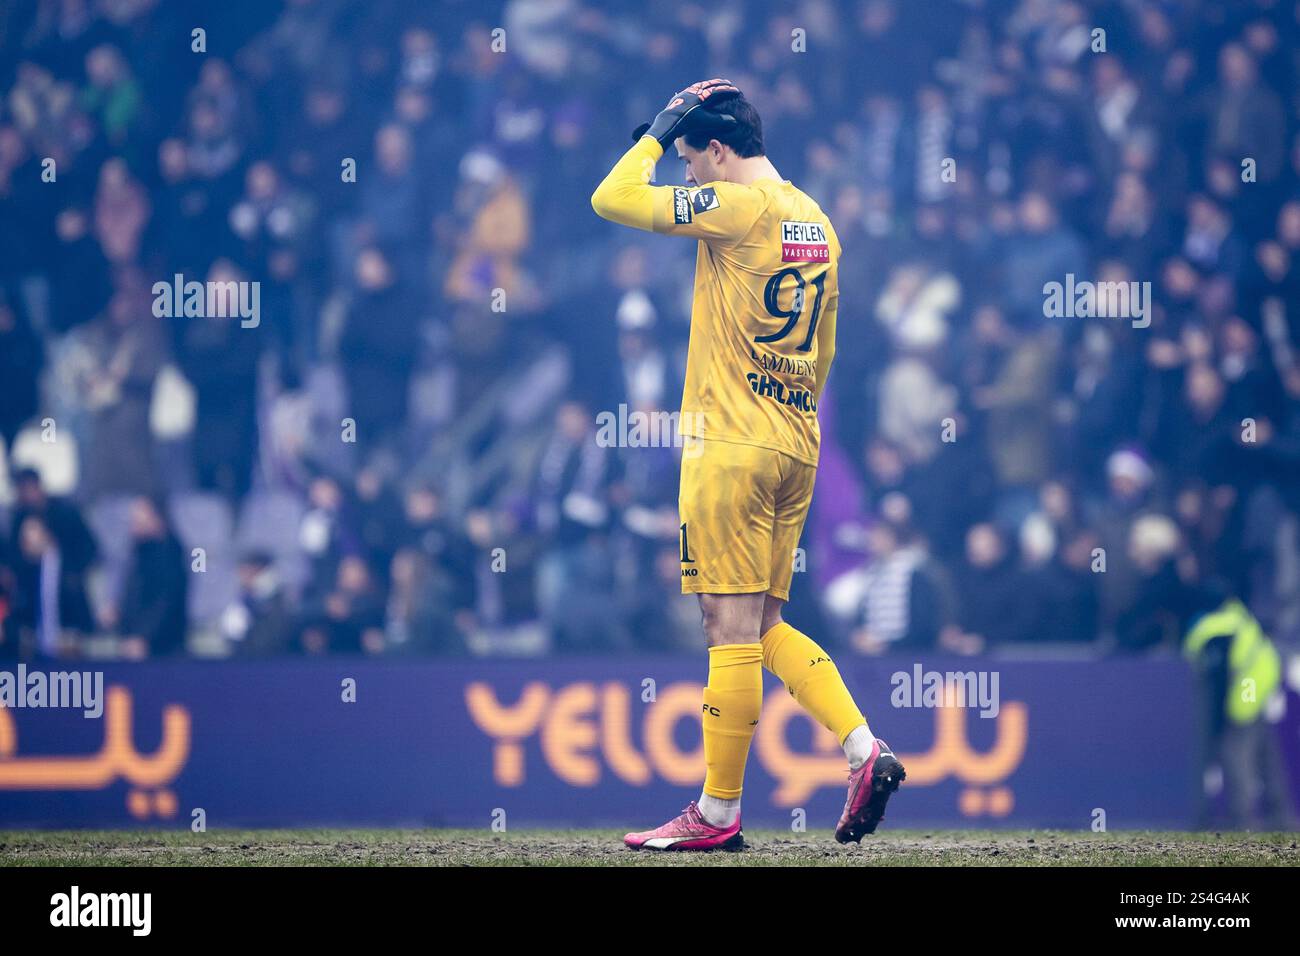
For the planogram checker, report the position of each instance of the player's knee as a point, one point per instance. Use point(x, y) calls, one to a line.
point(712, 619)
point(771, 613)
point(719, 620)
point(731, 618)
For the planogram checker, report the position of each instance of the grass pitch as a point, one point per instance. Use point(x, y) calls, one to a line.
point(604, 848)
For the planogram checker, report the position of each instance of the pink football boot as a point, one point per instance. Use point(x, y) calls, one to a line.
point(869, 789)
point(690, 831)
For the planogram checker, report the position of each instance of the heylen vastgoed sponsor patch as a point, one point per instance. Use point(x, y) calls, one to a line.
point(804, 242)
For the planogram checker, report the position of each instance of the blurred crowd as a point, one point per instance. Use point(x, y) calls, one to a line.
point(399, 454)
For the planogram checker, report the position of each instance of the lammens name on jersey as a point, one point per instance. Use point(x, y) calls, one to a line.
point(804, 242)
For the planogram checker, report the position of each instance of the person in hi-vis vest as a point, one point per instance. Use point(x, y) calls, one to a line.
point(1239, 679)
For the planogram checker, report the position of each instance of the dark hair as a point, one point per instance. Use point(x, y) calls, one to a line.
point(745, 137)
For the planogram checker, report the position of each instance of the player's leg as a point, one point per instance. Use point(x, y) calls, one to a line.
point(726, 503)
point(732, 699)
point(812, 677)
point(801, 664)
point(814, 681)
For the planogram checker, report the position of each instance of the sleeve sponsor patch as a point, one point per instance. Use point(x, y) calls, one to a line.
point(681, 206)
point(704, 199)
point(804, 242)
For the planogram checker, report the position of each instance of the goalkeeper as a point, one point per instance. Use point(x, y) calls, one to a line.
point(762, 339)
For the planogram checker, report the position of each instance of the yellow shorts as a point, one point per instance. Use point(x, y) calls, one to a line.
point(742, 510)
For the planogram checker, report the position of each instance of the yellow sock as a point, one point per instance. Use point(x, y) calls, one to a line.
point(731, 705)
point(812, 678)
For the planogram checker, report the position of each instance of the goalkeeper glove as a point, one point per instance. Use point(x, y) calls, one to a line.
point(686, 113)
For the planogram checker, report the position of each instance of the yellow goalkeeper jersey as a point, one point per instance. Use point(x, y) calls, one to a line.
point(766, 297)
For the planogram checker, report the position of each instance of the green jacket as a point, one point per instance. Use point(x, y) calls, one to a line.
point(1252, 658)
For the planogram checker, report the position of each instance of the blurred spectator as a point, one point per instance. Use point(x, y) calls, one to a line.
point(113, 95)
point(59, 516)
point(1159, 608)
point(259, 623)
point(349, 617)
point(125, 350)
point(122, 208)
point(219, 357)
point(434, 595)
point(494, 224)
point(901, 601)
point(378, 346)
point(992, 591)
point(574, 577)
point(51, 614)
point(152, 616)
point(22, 355)
point(1017, 406)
